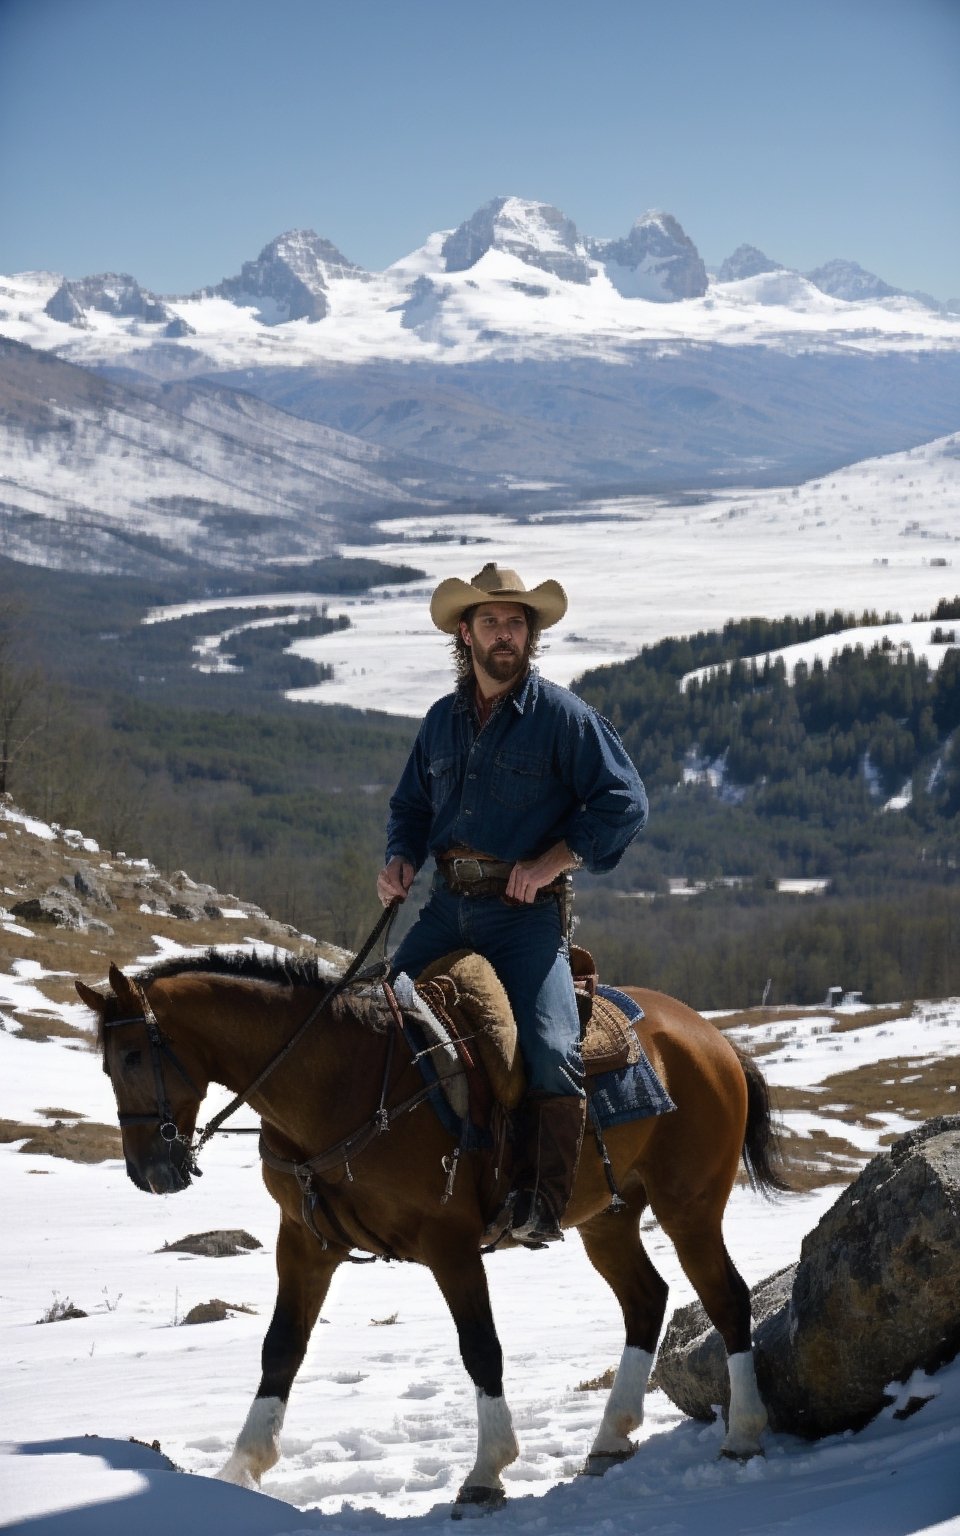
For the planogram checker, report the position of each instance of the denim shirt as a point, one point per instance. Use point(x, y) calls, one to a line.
point(545, 766)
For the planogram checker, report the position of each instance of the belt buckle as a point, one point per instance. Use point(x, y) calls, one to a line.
point(467, 879)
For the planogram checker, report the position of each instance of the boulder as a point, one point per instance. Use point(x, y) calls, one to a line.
point(54, 906)
point(874, 1297)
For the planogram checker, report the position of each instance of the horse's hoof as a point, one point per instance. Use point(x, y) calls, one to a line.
point(597, 1463)
point(741, 1456)
point(474, 1500)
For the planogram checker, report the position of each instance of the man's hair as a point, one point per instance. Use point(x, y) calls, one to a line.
point(461, 651)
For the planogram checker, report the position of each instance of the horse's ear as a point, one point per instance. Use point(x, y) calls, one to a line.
point(94, 1000)
point(122, 987)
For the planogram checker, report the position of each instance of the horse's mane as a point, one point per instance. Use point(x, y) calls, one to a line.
point(278, 969)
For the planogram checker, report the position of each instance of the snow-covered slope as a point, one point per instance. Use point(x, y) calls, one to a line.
point(515, 279)
point(98, 476)
point(883, 535)
point(382, 1418)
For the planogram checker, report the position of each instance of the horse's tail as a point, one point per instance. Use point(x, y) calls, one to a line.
point(762, 1154)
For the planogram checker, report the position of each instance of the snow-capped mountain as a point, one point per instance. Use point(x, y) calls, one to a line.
point(289, 279)
point(536, 234)
point(657, 260)
point(516, 346)
point(849, 281)
point(746, 261)
point(113, 293)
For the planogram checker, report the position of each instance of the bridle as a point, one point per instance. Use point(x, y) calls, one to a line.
point(162, 1115)
point(160, 1047)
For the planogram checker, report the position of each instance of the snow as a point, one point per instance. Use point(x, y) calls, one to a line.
point(484, 312)
point(868, 537)
point(382, 1419)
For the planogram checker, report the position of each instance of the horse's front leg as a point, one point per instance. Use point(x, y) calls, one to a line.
point(304, 1271)
point(461, 1277)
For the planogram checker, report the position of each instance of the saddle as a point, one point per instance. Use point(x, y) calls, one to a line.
point(466, 998)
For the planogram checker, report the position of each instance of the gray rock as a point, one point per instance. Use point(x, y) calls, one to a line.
point(185, 911)
point(875, 1296)
point(65, 307)
point(90, 887)
point(55, 906)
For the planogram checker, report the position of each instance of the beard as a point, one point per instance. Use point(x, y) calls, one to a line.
point(502, 662)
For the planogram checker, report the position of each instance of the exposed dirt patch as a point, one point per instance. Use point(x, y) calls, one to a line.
point(37, 1026)
point(840, 1021)
point(214, 1245)
point(214, 1311)
point(601, 1383)
point(916, 1087)
point(87, 1142)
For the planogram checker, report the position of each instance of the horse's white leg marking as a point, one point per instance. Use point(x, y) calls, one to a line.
point(624, 1410)
point(496, 1442)
point(258, 1443)
point(748, 1417)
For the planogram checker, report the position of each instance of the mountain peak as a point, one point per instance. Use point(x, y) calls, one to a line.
point(289, 279)
point(115, 293)
point(536, 233)
point(657, 260)
point(747, 261)
point(848, 280)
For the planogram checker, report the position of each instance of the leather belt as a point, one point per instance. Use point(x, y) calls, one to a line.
point(467, 875)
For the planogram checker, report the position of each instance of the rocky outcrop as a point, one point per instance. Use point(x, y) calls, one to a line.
point(875, 1296)
point(848, 280)
point(657, 260)
point(114, 293)
point(535, 233)
point(746, 261)
point(290, 277)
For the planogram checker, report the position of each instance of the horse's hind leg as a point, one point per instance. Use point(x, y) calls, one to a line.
point(612, 1242)
point(304, 1272)
point(461, 1277)
point(726, 1301)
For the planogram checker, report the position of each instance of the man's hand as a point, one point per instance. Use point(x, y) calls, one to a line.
point(529, 876)
point(395, 880)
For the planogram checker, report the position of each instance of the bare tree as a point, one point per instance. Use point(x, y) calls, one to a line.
point(19, 689)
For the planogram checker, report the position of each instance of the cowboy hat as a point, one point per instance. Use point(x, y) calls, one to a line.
point(495, 584)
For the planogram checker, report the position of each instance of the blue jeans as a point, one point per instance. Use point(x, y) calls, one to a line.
point(527, 949)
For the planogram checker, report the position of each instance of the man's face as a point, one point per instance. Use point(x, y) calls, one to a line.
point(498, 638)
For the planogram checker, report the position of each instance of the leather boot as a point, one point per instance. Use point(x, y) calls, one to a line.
point(547, 1167)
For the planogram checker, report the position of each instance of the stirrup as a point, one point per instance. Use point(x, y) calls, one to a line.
point(534, 1223)
point(499, 1225)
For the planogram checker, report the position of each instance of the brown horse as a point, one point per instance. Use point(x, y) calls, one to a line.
point(346, 1109)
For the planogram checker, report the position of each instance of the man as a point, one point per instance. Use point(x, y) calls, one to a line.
point(512, 782)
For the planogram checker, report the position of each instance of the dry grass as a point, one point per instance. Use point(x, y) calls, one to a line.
point(601, 1383)
point(224, 1244)
point(863, 1019)
point(215, 1311)
point(87, 1142)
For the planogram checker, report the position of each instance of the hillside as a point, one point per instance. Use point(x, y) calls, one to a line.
point(122, 1395)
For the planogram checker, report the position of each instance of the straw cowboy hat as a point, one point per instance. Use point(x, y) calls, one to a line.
point(495, 584)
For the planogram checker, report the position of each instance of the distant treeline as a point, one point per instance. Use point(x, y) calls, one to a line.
point(886, 718)
point(285, 804)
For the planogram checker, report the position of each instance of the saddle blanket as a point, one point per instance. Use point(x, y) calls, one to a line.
point(632, 1092)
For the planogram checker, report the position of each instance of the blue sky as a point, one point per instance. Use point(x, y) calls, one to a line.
point(174, 138)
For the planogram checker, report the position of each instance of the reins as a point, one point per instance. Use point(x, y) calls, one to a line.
point(381, 927)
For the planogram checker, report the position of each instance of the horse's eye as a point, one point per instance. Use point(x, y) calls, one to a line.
point(132, 1059)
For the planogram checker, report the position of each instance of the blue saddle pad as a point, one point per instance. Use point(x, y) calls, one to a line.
point(631, 1093)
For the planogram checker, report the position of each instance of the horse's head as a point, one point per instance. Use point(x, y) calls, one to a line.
point(158, 1094)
